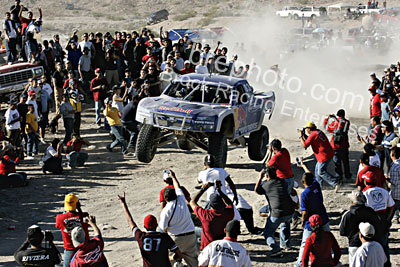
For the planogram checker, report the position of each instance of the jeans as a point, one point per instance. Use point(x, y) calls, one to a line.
point(76, 158)
point(306, 234)
point(68, 257)
point(11, 48)
point(290, 184)
point(133, 131)
point(68, 125)
point(33, 144)
point(77, 123)
point(284, 234)
point(247, 217)
point(321, 173)
point(385, 244)
point(119, 138)
point(97, 106)
point(395, 213)
point(352, 251)
point(342, 157)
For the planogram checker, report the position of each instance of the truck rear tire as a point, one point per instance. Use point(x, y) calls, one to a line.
point(218, 147)
point(147, 142)
point(184, 143)
point(257, 144)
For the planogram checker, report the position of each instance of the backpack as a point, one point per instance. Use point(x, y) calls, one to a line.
point(340, 134)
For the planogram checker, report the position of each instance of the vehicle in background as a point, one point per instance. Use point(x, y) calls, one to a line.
point(286, 11)
point(388, 15)
point(13, 78)
point(309, 12)
point(365, 10)
point(157, 16)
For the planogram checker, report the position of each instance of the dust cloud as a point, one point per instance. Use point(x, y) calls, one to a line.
point(314, 81)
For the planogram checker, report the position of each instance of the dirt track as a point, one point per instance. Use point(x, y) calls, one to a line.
point(108, 174)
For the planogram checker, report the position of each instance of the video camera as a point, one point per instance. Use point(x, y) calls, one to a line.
point(302, 130)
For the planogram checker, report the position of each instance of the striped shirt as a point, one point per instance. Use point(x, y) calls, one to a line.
point(394, 175)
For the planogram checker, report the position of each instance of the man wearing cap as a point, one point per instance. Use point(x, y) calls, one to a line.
point(357, 213)
point(167, 76)
point(88, 252)
point(67, 221)
point(370, 171)
point(13, 123)
point(170, 184)
point(187, 69)
point(214, 219)
point(323, 153)
point(371, 253)
point(275, 191)
point(32, 101)
point(375, 103)
point(36, 255)
point(98, 86)
point(339, 127)
point(154, 246)
point(226, 252)
point(67, 111)
point(206, 52)
point(175, 218)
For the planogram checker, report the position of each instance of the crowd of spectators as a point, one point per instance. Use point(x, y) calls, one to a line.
point(114, 72)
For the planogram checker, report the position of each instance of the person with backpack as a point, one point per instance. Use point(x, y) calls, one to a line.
point(339, 127)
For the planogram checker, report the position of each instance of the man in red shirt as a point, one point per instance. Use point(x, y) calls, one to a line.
point(149, 56)
point(98, 86)
point(67, 221)
point(339, 127)
point(88, 252)
point(279, 158)
point(375, 103)
point(154, 246)
point(323, 152)
point(168, 180)
point(369, 172)
point(215, 219)
point(187, 69)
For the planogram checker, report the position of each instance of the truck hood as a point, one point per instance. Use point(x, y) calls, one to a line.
point(172, 106)
point(16, 67)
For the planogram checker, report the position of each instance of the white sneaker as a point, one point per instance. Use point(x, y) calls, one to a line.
point(29, 158)
point(42, 141)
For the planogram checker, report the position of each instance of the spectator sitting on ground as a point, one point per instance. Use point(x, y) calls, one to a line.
point(75, 156)
point(211, 255)
point(67, 221)
point(85, 247)
point(52, 159)
point(8, 176)
point(36, 255)
point(319, 246)
point(153, 256)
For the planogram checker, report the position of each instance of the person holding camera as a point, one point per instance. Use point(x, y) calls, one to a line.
point(323, 153)
point(88, 252)
point(339, 127)
point(37, 255)
point(67, 221)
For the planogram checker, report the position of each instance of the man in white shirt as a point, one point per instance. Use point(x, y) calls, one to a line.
point(13, 123)
point(167, 76)
point(86, 43)
point(371, 253)
point(179, 61)
point(226, 252)
point(175, 219)
point(10, 30)
point(202, 68)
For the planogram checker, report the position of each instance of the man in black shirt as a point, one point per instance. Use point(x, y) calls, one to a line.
point(37, 255)
point(281, 206)
point(128, 51)
point(129, 122)
point(22, 108)
point(59, 76)
point(15, 9)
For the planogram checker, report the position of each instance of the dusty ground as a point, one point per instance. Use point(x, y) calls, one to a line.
point(108, 174)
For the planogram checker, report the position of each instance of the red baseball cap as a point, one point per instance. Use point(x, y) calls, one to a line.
point(150, 222)
point(315, 220)
point(98, 70)
point(372, 88)
point(31, 92)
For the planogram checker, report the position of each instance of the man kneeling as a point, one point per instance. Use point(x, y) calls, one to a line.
point(75, 156)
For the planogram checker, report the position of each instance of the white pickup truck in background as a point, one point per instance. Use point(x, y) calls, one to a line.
point(286, 11)
point(309, 12)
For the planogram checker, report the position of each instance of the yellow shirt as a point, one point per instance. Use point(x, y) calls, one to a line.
point(77, 106)
point(32, 120)
point(112, 116)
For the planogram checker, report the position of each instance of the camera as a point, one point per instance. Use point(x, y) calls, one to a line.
point(48, 236)
point(302, 130)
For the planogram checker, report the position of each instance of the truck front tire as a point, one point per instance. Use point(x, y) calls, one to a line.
point(258, 144)
point(147, 142)
point(218, 147)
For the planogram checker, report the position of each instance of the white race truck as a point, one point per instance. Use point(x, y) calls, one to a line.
point(309, 12)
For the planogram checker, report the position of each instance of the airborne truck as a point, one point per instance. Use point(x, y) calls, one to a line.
point(207, 112)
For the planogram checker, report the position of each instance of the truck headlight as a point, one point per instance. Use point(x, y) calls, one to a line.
point(38, 72)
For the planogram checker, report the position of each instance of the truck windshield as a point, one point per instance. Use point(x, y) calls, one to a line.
point(196, 92)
